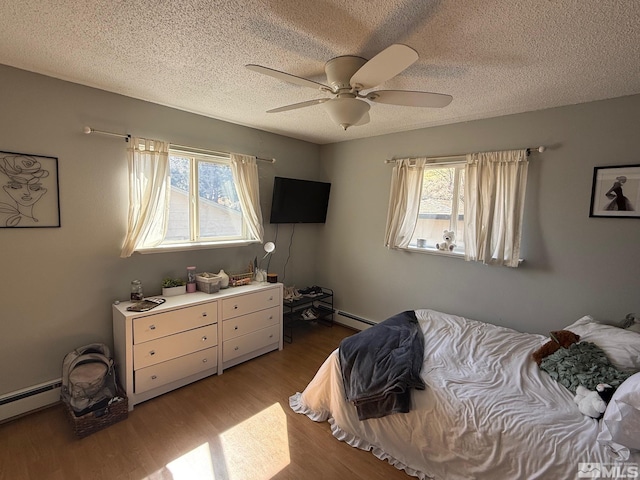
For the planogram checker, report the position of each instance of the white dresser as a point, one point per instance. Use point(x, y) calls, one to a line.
point(192, 336)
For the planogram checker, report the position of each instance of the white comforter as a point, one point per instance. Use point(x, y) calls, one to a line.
point(488, 412)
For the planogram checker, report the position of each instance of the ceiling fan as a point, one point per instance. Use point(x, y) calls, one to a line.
point(348, 76)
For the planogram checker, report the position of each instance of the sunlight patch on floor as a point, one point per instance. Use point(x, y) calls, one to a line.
point(257, 448)
point(194, 465)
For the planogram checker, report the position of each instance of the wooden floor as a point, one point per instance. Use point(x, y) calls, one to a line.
point(237, 426)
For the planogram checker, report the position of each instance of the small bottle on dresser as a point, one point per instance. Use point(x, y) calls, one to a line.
point(136, 291)
point(191, 279)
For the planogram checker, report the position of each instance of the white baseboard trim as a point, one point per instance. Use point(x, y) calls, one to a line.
point(28, 399)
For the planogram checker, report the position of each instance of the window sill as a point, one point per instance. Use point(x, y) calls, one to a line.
point(434, 251)
point(183, 247)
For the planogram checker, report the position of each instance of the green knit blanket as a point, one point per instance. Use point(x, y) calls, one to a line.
point(583, 363)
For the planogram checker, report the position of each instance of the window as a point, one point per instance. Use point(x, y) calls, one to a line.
point(203, 201)
point(441, 206)
point(183, 199)
point(480, 199)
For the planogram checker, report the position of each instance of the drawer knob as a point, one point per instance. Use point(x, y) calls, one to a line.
point(204, 339)
point(235, 307)
point(204, 360)
point(204, 314)
point(152, 352)
point(153, 377)
point(270, 317)
point(236, 327)
point(152, 327)
point(271, 298)
point(271, 336)
point(237, 348)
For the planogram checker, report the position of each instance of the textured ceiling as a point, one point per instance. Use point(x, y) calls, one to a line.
point(495, 57)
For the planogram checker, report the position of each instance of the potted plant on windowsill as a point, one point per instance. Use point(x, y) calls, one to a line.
point(173, 286)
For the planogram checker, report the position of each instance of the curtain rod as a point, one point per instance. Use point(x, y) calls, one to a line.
point(432, 160)
point(127, 137)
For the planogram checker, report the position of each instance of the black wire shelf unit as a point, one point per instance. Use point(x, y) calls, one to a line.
point(316, 308)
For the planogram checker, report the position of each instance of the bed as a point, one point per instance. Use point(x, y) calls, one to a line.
point(488, 410)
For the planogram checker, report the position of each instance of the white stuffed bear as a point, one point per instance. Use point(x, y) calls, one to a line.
point(592, 403)
point(449, 236)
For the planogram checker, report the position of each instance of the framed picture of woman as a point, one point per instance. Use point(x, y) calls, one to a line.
point(29, 196)
point(616, 192)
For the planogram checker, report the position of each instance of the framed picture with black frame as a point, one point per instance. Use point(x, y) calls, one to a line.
point(29, 197)
point(616, 192)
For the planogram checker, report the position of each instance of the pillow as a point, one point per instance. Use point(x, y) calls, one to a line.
point(621, 421)
point(635, 327)
point(622, 346)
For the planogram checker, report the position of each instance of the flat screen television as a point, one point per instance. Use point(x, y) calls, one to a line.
point(299, 201)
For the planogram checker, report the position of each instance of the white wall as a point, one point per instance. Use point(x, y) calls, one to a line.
point(58, 283)
point(575, 265)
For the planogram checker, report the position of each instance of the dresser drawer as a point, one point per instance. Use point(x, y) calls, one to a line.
point(162, 324)
point(238, 326)
point(236, 347)
point(172, 346)
point(166, 372)
point(252, 302)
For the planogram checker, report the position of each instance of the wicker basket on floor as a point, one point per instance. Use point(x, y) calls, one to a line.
point(92, 422)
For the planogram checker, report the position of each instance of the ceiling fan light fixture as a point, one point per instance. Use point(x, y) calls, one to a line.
point(346, 111)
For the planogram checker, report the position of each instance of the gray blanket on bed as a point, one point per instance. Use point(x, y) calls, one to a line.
point(381, 364)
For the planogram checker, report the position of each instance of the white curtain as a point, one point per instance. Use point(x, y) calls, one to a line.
point(245, 176)
point(404, 201)
point(495, 186)
point(148, 194)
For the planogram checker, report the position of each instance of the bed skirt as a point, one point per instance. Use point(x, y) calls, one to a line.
point(296, 404)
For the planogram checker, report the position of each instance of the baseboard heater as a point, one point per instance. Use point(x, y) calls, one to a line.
point(32, 398)
point(355, 319)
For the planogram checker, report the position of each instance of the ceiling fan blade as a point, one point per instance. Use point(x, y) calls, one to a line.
point(287, 77)
point(294, 106)
point(410, 99)
point(385, 65)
